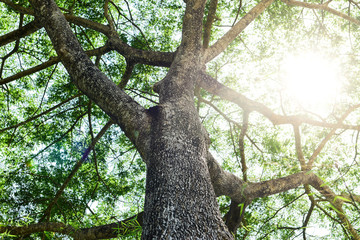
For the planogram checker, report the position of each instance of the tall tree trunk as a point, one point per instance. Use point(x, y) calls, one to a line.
point(180, 202)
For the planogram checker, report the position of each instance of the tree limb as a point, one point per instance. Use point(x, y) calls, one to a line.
point(75, 169)
point(244, 128)
point(49, 63)
point(213, 86)
point(41, 114)
point(328, 136)
point(19, 33)
point(209, 22)
point(324, 7)
point(128, 114)
point(298, 147)
point(153, 58)
point(225, 40)
point(107, 231)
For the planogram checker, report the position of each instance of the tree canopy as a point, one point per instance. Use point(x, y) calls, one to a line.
point(107, 105)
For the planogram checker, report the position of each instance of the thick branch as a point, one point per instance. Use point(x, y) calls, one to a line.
point(192, 25)
point(225, 40)
point(128, 114)
point(18, 7)
point(88, 24)
point(19, 33)
point(39, 227)
point(234, 216)
point(213, 86)
point(225, 183)
point(107, 231)
point(228, 184)
point(278, 185)
point(163, 59)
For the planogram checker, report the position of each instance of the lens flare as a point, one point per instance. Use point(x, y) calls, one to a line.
point(311, 79)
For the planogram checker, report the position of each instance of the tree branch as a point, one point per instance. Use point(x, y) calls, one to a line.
point(163, 59)
point(298, 147)
point(336, 204)
point(128, 114)
point(213, 86)
point(113, 230)
point(244, 128)
point(328, 136)
point(136, 55)
point(324, 7)
point(75, 169)
point(228, 184)
point(49, 63)
point(19, 33)
point(41, 114)
point(225, 40)
point(209, 22)
point(234, 216)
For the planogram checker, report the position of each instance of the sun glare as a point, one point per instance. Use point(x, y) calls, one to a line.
point(311, 79)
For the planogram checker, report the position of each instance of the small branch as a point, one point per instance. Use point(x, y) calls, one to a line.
point(229, 120)
point(298, 147)
point(106, 14)
point(49, 63)
point(242, 144)
point(233, 143)
point(336, 204)
point(237, 13)
point(127, 74)
point(307, 219)
point(132, 22)
point(41, 114)
point(324, 7)
point(16, 47)
point(281, 208)
point(328, 136)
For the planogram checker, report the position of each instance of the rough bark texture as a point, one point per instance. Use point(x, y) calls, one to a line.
point(180, 201)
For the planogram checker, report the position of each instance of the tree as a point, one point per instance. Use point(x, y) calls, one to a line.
point(59, 76)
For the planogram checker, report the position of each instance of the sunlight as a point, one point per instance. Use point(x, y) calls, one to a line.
point(311, 79)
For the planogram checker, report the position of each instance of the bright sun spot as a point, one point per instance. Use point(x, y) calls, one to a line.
point(311, 79)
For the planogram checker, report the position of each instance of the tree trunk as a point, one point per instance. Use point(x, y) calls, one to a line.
point(180, 202)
